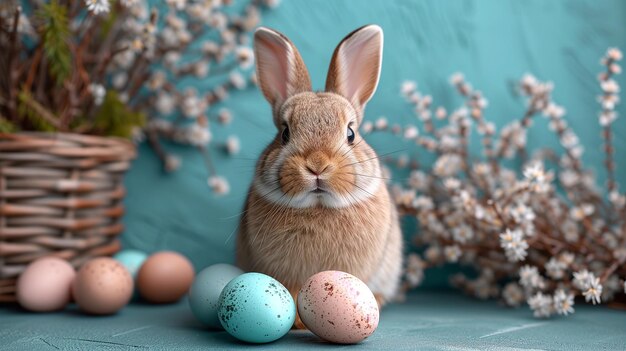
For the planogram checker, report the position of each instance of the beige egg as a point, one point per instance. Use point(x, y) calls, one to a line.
point(165, 277)
point(102, 286)
point(45, 285)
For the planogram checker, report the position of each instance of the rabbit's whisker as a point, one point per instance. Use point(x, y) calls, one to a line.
point(345, 154)
point(367, 175)
point(373, 158)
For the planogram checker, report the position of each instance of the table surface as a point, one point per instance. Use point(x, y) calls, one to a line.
point(429, 320)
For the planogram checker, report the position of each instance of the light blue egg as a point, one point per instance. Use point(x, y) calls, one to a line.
point(206, 289)
point(131, 259)
point(256, 308)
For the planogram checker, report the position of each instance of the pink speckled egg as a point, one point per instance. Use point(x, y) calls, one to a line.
point(45, 285)
point(338, 307)
point(102, 286)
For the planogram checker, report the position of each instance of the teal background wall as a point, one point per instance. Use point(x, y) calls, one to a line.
point(493, 42)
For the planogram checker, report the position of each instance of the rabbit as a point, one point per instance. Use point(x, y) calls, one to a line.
point(318, 200)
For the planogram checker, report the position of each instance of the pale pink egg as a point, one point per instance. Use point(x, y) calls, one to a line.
point(338, 307)
point(45, 285)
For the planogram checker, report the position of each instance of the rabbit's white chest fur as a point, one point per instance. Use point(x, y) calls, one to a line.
point(293, 244)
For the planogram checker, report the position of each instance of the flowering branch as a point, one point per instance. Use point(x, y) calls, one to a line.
point(529, 237)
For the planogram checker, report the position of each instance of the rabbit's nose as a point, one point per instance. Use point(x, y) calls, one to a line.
point(316, 172)
point(317, 163)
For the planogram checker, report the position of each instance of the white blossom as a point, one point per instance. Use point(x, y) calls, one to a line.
point(381, 123)
point(238, 81)
point(512, 241)
point(452, 253)
point(218, 21)
point(463, 233)
point(165, 103)
point(535, 172)
point(414, 270)
point(542, 305)
point(232, 145)
point(563, 302)
point(411, 132)
point(447, 165)
point(594, 291)
point(513, 294)
point(408, 87)
point(614, 54)
point(98, 6)
point(224, 116)
point(157, 80)
point(433, 254)
point(457, 78)
point(530, 278)
point(245, 57)
point(172, 163)
point(610, 86)
point(119, 80)
point(522, 213)
point(579, 213)
point(201, 69)
point(589, 284)
point(197, 135)
point(423, 203)
point(607, 117)
point(177, 4)
point(219, 185)
point(98, 92)
point(367, 127)
point(271, 3)
point(192, 105)
point(555, 268)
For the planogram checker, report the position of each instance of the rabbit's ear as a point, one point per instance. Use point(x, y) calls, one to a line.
point(281, 73)
point(355, 66)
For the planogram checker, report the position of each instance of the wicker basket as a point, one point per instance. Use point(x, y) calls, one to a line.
point(60, 195)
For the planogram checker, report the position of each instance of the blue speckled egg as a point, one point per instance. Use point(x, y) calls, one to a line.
point(206, 289)
point(131, 260)
point(256, 308)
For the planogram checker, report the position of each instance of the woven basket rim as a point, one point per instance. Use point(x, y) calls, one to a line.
point(71, 145)
point(86, 138)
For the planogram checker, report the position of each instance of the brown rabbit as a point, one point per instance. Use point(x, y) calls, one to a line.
point(318, 200)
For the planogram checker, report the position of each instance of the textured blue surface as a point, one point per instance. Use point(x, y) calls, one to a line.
point(493, 41)
point(428, 321)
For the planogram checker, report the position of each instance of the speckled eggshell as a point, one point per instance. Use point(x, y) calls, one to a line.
point(205, 291)
point(338, 307)
point(102, 286)
point(256, 308)
point(45, 285)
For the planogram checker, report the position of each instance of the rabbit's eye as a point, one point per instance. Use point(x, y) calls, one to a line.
point(285, 135)
point(350, 135)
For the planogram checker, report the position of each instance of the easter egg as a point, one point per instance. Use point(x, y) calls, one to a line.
point(165, 277)
point(45, 285)
point(131, 259)
point(338, 307)
point(206, 289)
point(256, 308)
point(102, 286)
